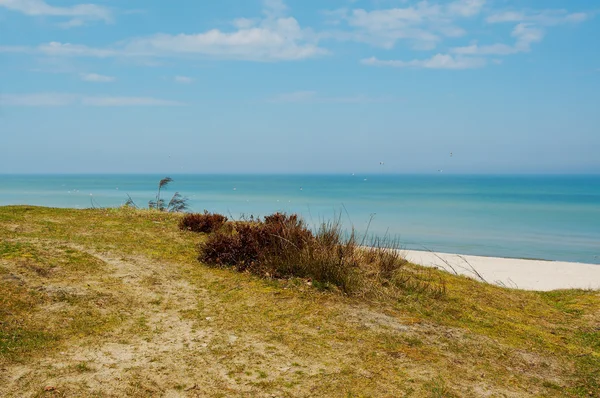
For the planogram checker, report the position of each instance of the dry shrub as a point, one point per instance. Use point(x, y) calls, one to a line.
point(253, 245)
point(206, 223)
point(282, 246)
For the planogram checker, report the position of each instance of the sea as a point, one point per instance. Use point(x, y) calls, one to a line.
point(548, 217)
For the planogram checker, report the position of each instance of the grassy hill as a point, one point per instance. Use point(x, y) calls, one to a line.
point(113, 302)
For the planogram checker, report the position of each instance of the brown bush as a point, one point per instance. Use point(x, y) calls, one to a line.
point(252, 245)
point(282, 246)
point(206, 223)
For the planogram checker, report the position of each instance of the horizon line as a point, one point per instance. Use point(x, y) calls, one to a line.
point(302, 174)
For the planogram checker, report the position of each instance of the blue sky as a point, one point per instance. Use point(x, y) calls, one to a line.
point(300, 86)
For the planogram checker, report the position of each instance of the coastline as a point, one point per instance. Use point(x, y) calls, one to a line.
point(524, 274)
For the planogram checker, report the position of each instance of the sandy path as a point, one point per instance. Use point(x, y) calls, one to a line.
point(160, 347)
point(515, 273)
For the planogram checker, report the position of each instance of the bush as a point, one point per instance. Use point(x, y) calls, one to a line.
point(281, 246)
point(252, 245)
point(206, 223)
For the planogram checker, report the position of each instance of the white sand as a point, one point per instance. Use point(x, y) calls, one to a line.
point(514, 273)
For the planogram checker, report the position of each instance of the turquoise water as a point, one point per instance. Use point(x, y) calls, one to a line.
point(547, 217)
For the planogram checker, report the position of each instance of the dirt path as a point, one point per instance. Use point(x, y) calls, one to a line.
point(153, 342)
point(159, 348)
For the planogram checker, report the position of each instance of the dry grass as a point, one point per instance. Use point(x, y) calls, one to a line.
point(282, 246)
point(114, 303)
point(204, 223)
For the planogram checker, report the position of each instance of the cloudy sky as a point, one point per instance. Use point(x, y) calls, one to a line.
point(301, 86)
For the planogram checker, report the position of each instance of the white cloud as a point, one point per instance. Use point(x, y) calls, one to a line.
point(314, 97)
point(424, 24)
point(244, 23)
point(274, 38)
point(183, 79)
point(72, 23)
point(543, 18)
point(96, 78)
point(274, 8)
point(61, 99)
point(525, 35)
point(335, 17)
point(493, 49)
point(506, 16)
point(385, 27)
point(127, 101)
point(37, 99)
point(528, 31)
point(466, 8)
point(15, 49)
point(438, 61)
point(80, 13)
point(297, 96)
point(280, 39)
point(68, 49)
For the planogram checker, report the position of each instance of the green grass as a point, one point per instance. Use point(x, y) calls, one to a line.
point(92, 281)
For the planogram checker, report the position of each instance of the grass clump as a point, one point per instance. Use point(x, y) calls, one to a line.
point(177, 204)
point(282, 246)
point(255, 246)
point(205, 223)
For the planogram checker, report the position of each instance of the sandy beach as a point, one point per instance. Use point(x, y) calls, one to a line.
point(514, 273)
